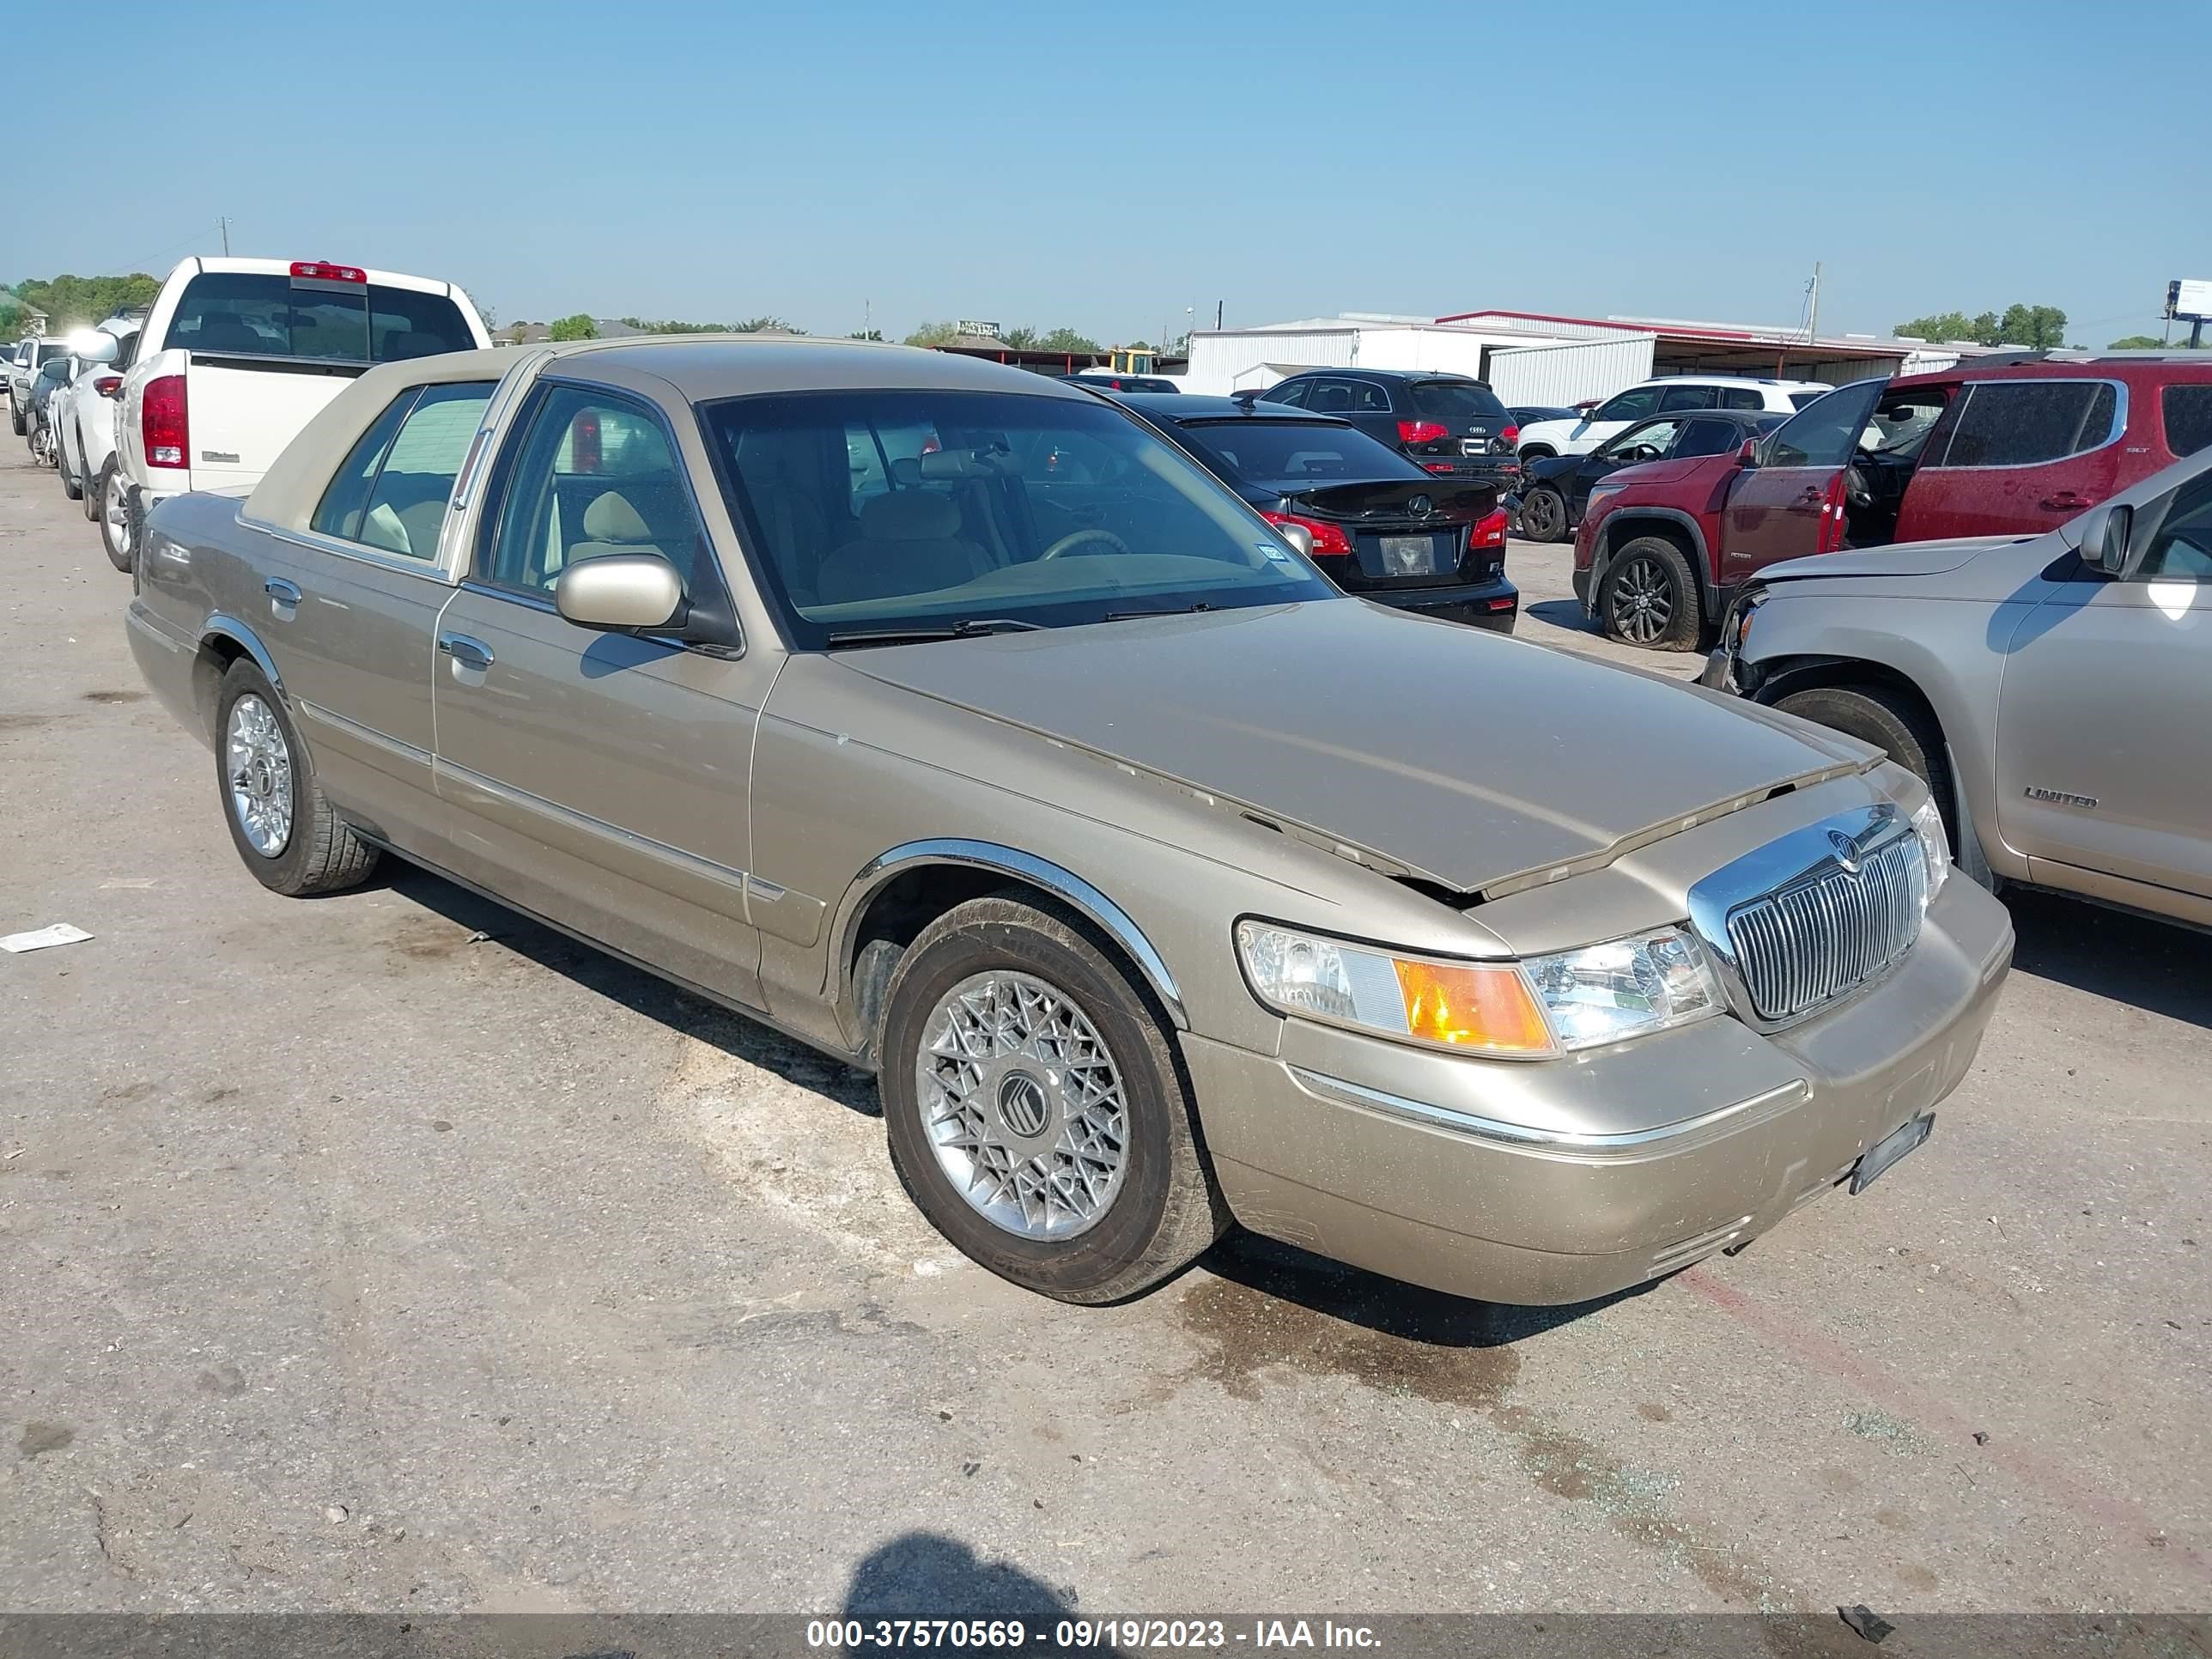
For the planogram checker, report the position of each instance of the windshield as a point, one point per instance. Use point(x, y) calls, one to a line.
point(1444, 399)
point(241, 314)
point(874, 511)
point(1295, 454)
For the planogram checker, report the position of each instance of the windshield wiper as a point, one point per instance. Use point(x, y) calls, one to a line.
point(1170, 610)
point(844, 638)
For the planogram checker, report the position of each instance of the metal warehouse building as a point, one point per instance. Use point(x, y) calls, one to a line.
point(1531, 357)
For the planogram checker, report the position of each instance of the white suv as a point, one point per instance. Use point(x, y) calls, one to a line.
point(1664, 397)
point(238, 355)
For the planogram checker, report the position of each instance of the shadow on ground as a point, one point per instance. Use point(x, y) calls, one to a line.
point(925, 1575)
point(2152, 965)
point(636, 989)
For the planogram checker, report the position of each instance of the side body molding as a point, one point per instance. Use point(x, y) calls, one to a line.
point(1064, 884)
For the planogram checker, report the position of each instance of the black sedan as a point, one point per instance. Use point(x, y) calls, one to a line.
point(1382, 527)
point(1556, 487)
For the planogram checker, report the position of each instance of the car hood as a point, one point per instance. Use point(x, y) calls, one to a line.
point(1657, 472)
point(1907, 559)
point(1427, 749)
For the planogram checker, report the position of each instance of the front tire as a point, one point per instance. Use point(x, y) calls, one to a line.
point(1893, 722)
point(15, 416)
point(114, 517)
point(92, 487)
point(279, 821)
point(1034, 1109)
point(1543, 515)
point(1649, 597)
point(72, 483)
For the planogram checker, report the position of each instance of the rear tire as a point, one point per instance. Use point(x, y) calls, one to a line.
point(113, 516)
point(281, 826)
point(1543, 515)
point(1649, 597)
point(72, 483)
point(15, 416)
point(1896, 722)
point(1003, 1014)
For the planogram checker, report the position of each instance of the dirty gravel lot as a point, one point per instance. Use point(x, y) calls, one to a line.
point(348, 1260)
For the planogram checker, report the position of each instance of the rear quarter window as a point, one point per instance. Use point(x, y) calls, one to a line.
point(2188, 413)
point(2025, 422)
point(242, 314)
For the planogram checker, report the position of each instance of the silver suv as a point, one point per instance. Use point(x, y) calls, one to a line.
point(2054, 692)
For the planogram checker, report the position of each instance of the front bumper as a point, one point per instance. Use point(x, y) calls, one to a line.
point(1493, 603)
point(1474, 1178)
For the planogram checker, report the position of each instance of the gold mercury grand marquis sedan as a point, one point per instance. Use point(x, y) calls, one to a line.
point(955, 722)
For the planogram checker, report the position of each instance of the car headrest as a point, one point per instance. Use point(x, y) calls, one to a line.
point(611, 518)
point(910, 515)
point(967, 464)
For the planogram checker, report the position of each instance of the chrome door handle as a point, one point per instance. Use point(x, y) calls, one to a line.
point(466, 652)
point(283, 598)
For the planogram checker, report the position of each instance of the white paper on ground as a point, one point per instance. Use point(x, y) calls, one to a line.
point(39, 938)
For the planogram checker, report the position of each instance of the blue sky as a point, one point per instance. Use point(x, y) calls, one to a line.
point(1106, 168)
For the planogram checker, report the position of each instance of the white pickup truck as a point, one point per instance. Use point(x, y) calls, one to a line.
point(238, 355)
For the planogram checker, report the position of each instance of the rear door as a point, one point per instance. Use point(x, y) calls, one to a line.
point(268, 350)
point(1788, 506)
point(2020, 456)
point(2105, 725)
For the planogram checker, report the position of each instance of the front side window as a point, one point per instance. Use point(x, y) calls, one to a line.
point(1654, 435)
point(1824, 433)
point(2027, 422)
point(2188, 410)
point(1296, 454)
point(1051, 511)
point(241, 314)
point(2181, 550)
point(595, 474)
point(1708, 438)
point(1632, 404)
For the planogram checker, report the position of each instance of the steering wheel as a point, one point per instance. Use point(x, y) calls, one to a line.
point(1856, 490)
point(1076, 537)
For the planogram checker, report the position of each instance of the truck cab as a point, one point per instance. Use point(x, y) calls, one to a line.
point(239, 354)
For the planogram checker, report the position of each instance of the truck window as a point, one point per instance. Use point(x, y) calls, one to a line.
point(2027, 422)
point(241, 314)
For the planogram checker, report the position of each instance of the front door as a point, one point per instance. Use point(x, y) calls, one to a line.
point(350, 612)
point(1783, 507)
point(2019, 458)
point(599, 779)
point(2105, 725)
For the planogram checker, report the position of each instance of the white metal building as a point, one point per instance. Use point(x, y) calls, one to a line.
point(1530, 357)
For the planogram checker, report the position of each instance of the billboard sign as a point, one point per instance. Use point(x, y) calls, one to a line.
point(2189, 299)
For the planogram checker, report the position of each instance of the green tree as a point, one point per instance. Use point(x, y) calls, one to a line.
point(763, 324)
point(1067, 340)
point(932, 334)
point(2039, 326)
point(866, 334)
point(2135, 343)
point(578, 327)
point(1021, 338)
point(72, 302)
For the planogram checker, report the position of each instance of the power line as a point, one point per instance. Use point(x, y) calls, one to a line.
point(129, 266)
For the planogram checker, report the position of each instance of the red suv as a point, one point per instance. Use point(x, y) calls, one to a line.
point(1988, 448)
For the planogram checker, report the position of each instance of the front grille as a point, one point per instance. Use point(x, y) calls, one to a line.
point(1831, 929)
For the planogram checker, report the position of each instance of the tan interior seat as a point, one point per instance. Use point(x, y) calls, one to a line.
point(908, 544)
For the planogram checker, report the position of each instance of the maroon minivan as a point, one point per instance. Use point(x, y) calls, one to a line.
point(1990, 447)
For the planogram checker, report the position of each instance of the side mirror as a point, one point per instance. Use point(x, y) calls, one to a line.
point(100, 349)
point(1298, 536)
point(622, 594)
point(1747, 456)
point(2105, 534)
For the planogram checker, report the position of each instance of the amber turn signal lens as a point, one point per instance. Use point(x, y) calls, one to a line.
point(1465, 1007)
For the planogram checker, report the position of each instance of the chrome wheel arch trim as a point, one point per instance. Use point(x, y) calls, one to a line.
point(1063, 884)
point(218, 626)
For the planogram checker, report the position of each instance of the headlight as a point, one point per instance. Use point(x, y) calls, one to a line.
point(1927, 824)
point(1541, 1005)
point(1598, 494)
point(1739, 624)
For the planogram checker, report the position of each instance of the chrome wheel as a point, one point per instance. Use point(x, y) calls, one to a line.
point(115, 511)
point(1023, 1105)
point(258, 762)
point(1643, 608)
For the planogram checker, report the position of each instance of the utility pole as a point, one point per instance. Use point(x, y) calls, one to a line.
point(1813, 313)
point(224, 225)
point(1218, 305)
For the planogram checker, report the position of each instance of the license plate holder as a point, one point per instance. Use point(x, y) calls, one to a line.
point(1877, 1158)
point(1409, 555)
